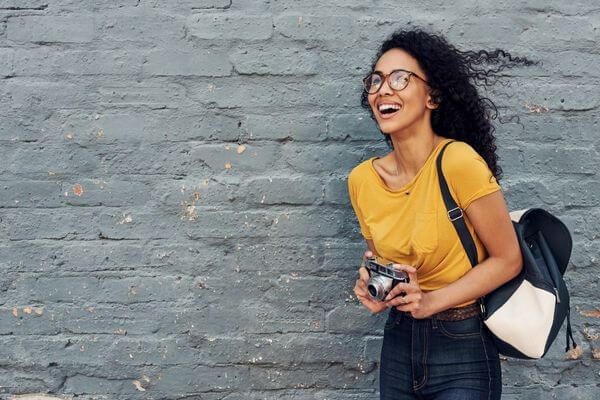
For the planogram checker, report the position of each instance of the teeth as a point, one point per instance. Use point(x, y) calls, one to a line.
point(384, 107)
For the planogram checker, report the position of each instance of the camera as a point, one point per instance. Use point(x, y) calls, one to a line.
point(382, 278)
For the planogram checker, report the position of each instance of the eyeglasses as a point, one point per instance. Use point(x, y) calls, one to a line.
point(398, 80)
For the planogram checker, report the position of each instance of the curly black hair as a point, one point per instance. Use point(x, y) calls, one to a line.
point(462, 113)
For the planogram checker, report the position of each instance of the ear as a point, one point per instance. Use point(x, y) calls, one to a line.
point(430, 104)
point(433, 100)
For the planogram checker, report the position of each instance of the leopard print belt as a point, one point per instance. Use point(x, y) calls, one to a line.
point(458, 313)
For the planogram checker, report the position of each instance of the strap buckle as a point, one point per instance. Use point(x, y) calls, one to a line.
point(455, 217)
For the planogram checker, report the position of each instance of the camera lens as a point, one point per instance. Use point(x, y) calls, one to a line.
point(372, 291)
point(379, 286)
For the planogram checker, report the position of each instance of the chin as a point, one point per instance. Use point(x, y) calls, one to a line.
point(389, 127)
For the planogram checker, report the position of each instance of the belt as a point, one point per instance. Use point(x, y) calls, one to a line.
point(458, 313)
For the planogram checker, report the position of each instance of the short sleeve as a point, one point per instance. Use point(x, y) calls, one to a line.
point(467, 174)
point(353, 191)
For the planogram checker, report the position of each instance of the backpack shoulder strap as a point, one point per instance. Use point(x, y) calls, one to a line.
point(455, 213)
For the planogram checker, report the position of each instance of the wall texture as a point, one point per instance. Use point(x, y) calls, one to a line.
point(173, 206)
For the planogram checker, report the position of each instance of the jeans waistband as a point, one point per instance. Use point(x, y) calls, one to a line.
point(451, 314)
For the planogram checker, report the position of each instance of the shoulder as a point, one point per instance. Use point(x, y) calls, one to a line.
point(360, 173)
point(460, 157)
point(467, 173)
point(457, 151)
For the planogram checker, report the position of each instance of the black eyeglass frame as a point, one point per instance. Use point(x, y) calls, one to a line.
point(384, 77)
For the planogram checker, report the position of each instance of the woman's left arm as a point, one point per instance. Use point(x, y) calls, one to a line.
point(491, 221)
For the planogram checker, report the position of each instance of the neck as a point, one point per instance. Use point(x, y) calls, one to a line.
point(412, 150)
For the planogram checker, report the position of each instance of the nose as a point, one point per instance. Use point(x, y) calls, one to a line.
point(385, 87)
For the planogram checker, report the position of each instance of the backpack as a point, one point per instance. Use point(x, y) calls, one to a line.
point(526, 313)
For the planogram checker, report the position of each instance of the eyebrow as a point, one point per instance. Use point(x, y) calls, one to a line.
point(395, 69)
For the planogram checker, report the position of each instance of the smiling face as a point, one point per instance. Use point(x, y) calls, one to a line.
point(407, 109)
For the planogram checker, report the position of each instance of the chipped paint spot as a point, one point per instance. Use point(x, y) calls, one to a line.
point(227, 165)
point(90, 309)
point(596, 354)
point(121, 331)
point(190, 212)
point(574, 353)
point(535, 108)
point(126, 219)
point(100, 133)
point(51, 173)
point(590, 313)
point(132, 292)
point(27, 310)
point(205, 182)
point(69, 135)
point(38, 311)
point(15, 312)
point(189, 207)
point(138, 385)
point(590, 333)
point(97, 116)
point(78, 189)
point(227, 147)
point(241, 148)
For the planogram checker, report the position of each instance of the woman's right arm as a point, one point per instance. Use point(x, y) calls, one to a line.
point(360, 288)
point(371, 247)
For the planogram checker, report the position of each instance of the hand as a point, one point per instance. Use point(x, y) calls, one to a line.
point(360, 290)
point(408, 297)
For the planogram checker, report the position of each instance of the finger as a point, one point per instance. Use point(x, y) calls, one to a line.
point(408, 307)
point(404, 300)
point(363, 274)
point(368, 254)
point(410, 271)
point(374, 307)
point(359, 292)
point(398, 290)
point(360, 288)
point(405, 307)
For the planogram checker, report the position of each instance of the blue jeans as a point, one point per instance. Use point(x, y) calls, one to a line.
point(438, 360)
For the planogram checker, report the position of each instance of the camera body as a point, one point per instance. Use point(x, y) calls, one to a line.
point(382, 278)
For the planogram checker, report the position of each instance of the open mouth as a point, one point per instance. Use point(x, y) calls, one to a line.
point(389, 110)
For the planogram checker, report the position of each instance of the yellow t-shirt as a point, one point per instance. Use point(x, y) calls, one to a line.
point(410, 225)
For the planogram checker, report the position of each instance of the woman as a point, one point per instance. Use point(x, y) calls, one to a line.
point(422, 94)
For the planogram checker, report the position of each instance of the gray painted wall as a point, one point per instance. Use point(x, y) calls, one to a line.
point(174, 215)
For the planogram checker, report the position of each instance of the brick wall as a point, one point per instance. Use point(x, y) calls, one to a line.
point(173, 207)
